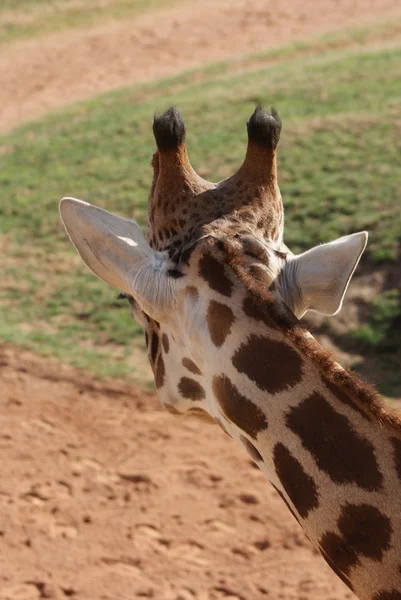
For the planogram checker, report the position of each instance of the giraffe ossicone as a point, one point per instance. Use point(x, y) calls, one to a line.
point(220, 296)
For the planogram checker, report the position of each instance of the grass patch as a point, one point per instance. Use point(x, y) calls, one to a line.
point(381, 331)
point(338, 161)
point(21, 19)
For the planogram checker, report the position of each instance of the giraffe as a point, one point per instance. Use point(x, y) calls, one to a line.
point(220, 297)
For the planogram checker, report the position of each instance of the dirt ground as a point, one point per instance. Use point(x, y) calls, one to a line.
point(103, 495)
point(44, 74)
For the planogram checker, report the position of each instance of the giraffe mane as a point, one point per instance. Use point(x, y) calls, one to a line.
point(273, 311)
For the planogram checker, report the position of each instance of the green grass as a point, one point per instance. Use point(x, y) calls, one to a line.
point(21, 19)
point(339, 165)
point(378, 331)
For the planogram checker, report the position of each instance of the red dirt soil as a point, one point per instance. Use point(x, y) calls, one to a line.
point(103, 495)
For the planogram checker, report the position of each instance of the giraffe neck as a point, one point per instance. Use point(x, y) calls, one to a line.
point(323, 439)
point(339, 471)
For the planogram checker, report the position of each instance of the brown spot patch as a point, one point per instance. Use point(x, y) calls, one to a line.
point(154, 346)
point(365, 530)
point(187, 252)
point(397, 454)
point(299, 486)
point(214, 273)
point(252, 309)
point(171, 408)
point(166, 343)
point(191, 366)
point(201, 414)
point(344, 398)
point(338, 556)
point(160, 372)
point(273, 366)
point(175, 273)
point(261, 275)
point(338, 450)
point(255, 248)
point(220, 317)
point(251, 449)
point(191, 389)
point(388, 595)
point(237, 408)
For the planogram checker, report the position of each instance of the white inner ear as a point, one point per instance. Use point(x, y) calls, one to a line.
point(318, 279)
point(116, 251)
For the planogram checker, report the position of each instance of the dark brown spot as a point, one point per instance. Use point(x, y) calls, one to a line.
point(214, 273)
point(365, 530)
point(388, 595)
point(220, 317)
point(344, 398)
point(273, 366)
point(160, 372)
point(338, 556)
point(146, 339)
point(282, 255)
point(166, 343)
point(237, 408)
point(250, 448)
point(154, 347)
point(338, 450)
point(191, 389)
point(201, 414)
point(260, 274)
point(187, 252)
point(171, 408)
point(254, 310)
point(255, 248)
point(299, 486)
point(191, 366)
point(397, 454)
point(175, 273)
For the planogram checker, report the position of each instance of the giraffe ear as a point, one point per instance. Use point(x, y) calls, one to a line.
point(116, 251)
point(318, 279)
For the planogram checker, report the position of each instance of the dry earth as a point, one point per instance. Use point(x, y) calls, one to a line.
point(43, 74)
point(102, 494)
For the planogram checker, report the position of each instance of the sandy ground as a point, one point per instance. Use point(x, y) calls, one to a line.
point(103, 495)
point(44, 74)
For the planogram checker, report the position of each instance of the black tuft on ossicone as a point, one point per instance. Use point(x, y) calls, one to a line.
point(263, 128)
point(169, 130)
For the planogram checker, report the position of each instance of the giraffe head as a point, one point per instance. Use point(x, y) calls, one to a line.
point(182, 205)
point(183, 281)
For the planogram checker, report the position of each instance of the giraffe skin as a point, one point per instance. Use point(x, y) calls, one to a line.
point(231, 350)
